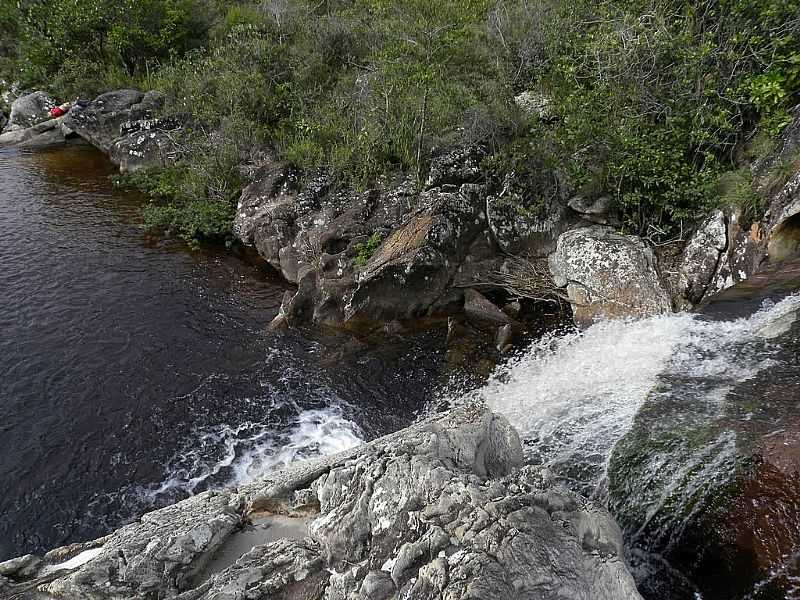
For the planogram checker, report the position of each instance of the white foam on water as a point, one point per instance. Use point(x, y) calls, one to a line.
point(573, 397)
point(248, 451)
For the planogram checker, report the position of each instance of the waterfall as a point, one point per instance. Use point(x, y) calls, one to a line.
point(573, 396)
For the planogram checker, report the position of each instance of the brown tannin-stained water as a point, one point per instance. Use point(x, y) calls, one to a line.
point(134, 372)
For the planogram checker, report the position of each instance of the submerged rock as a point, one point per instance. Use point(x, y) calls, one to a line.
point(607, 275)
point(437, 510)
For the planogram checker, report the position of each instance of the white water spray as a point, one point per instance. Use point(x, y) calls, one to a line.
point(573, 397)
point(251, 450)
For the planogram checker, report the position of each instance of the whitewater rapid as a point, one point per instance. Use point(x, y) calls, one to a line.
point(573, 396)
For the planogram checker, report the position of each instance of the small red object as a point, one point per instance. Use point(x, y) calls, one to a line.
point(57, 112)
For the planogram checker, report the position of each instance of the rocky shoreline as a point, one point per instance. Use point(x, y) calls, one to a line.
point(438, 510)
point(443, 509)
point(458, 248)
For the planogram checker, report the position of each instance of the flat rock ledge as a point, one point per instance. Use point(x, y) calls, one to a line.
point(442, 509)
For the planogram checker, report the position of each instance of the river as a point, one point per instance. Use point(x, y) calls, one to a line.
point(136, 371)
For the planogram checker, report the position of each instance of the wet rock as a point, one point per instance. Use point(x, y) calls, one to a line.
point(707, 483)
point(437, 510)
point(481, 312)
point(28, 110)
point(700, 259)
point(504, 338)
point(607, 275)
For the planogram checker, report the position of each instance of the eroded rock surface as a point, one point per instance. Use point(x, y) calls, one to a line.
point(377, 256)
point(438, 510)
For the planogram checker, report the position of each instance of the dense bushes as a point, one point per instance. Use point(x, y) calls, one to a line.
point(656, 96)
point(86, 46)
point(651, 101)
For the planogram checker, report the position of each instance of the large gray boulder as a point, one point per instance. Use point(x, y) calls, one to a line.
point(368, 257)
point(145, 144)
point(122, 124)
point(28, 110)
point(436, 511)
point(608, 275)
point(700, 259)
point(99, 122)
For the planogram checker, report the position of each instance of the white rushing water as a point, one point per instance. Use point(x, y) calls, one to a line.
point(251, 450)
point(572, 397)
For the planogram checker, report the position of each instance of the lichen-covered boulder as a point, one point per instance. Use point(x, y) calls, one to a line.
point(421, 257)
point(28, 110)
point(99, 122)
point(607, 275)
point(145, 144)
point(436, 511)
point(366, 258)
point(699, 261)
point(123, 124)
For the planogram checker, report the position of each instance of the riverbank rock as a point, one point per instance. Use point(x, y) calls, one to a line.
point(750, 243)
point(607, 275)
point(365, 259)
point(437, 510)
point(122, 124)
point(707, 483)
point(700, 259)
point(47, 133)
point(28, 110)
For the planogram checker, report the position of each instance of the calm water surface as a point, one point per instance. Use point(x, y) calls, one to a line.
point(134, 371)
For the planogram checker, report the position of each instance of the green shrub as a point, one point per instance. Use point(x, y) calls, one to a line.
point(367, 249)
point(651, 101)
point(108, 37)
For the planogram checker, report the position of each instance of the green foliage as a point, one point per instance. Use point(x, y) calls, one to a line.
point(654, 96)
point(735, 188)
point(197, 219)
point(367, 249)
point(83, 46)
point(651, 101)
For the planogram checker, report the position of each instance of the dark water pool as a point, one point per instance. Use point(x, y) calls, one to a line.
point(135, 371)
